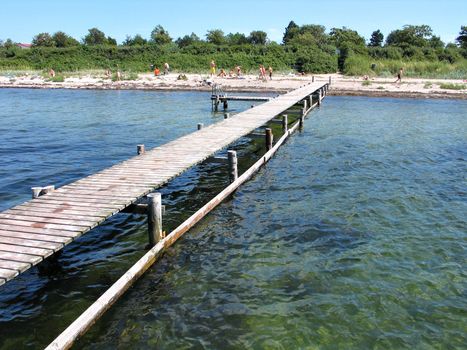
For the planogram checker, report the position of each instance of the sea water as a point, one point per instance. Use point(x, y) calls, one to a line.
point(352, 236)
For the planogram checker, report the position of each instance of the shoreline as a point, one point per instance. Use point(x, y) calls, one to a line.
point(340, 85)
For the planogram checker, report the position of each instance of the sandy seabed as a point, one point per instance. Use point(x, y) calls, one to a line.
point(340, 85)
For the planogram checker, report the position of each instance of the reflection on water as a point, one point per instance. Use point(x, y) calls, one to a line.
point(353, 236)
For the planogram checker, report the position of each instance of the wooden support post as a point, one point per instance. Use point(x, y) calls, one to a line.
point(269, 138)
point(36, 192)
point(226, 105)
point(329, 80)
point(154, 218)
point(216, 104)
point(140, 149)
point(226, 115)
point(305, 107)
point(233, 166)
point(319, 97)
point(47, 189)
point(40, 191)
point(310, 99)
point(313, 79)
point(200, 126)
point(252, 106)
point(284, 123)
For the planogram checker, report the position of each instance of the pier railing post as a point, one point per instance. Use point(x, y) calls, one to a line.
point(284, 123)
point(233, 166)
point(154, 218)
point(140, 149)
point(40, 191)
point(269, 138)
point(200, 126)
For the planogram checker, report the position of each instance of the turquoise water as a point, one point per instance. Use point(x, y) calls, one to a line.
point(353, 236)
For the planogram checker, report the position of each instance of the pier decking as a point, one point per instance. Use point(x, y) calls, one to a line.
point(36, 229)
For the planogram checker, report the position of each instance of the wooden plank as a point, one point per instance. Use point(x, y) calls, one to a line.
point(42, 225)
point(71, 204)
point(36, 237)
point(25, 250)
point(14, 265)
point(40, 230)
point(6, 274)
point(19, 257)
point(59, 212)
point(39, 218)
point(31, 243)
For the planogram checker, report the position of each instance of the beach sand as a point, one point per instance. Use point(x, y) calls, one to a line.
point(340, 85)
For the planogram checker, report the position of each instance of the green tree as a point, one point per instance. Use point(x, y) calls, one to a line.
point(160, 36)
point(136, 40)
point(95, 37)
point(376, 39)
point(462, 38)
point(236, 39)
point(63, 40)
point(216, 37)
point(8, 43)
point(43, 39)
point(410, 35)
point(111, 41)
point(258, 37)
point(290, 31)
point(187, 40)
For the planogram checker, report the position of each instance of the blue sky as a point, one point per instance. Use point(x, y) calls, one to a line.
point(22, 19)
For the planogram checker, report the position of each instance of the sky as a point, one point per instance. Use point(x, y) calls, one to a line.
point(20, 20)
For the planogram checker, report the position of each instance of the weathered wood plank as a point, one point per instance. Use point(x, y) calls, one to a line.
point(32, 243)
point(40, 230)
point(25, 250)
point(14, 265)
point(40, 225)
point(36, 237)
point(39, 218)
point(6, 274)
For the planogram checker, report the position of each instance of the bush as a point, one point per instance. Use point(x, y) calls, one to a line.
point(452, 86)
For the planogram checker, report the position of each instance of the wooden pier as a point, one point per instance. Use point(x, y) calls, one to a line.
point(34, 230)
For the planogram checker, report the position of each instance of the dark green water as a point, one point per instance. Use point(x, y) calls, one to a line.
point(353, 236)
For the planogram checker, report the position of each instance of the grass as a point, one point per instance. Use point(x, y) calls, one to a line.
point(357, 65)
point(57, 79)
point(366, 83)
point(428, 85)
point(452, 86)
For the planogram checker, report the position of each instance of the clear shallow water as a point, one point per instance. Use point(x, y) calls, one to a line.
point(353, 236)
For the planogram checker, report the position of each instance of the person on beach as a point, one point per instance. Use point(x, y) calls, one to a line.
point(119, 75)
point(108, 73)
point(222, 73)
point(270, 72)
point(262, 72)
point(213, 68)
point(157, 71)
point(52, 72)
point(399, 76)
point(239, 71)
point(166, 68)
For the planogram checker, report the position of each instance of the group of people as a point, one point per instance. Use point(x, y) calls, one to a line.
point(262, 72)
point(157, 71)
point(237, 71)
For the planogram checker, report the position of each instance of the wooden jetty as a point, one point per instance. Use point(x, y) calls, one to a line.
point(34, 230)
point(218, 95)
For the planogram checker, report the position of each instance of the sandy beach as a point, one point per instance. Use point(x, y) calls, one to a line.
point(340, 85)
